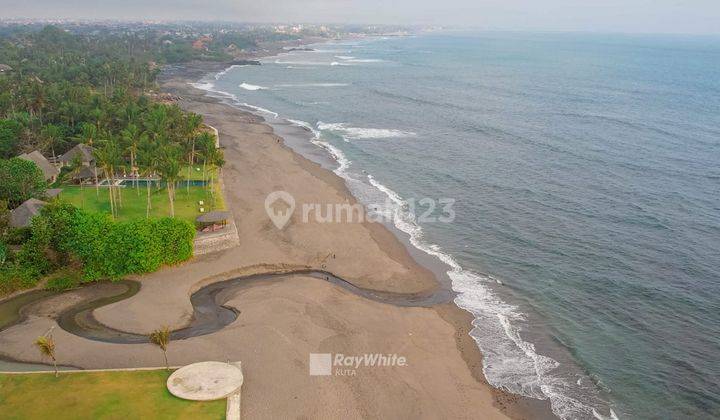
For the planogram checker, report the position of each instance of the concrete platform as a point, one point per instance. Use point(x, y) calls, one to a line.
point(206, 381)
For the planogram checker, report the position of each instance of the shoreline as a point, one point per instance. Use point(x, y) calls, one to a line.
point(281, 322)
point(513, 405)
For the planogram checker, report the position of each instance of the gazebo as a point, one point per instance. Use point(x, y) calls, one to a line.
point(214, 220)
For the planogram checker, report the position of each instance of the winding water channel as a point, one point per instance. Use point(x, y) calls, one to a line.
point(210, 313)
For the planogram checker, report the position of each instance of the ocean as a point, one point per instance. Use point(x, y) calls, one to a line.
point(583, 171)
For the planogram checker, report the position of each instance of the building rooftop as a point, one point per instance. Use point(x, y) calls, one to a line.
point(22, 215)
point(48, 169)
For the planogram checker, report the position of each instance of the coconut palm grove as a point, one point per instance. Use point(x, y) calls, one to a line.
point(100, 175)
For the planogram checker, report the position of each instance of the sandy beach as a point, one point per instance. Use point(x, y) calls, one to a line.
point(281, 323)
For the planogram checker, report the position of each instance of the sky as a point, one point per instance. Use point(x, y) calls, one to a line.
point(633, 16)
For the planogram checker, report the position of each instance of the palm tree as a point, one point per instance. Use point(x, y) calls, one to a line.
point(76, 166)
point(46, 345)
point(108, 156)
point(206, 143)
point(131, 138)
point(161, 338)
point(157, 122)
point(88, 135)
point(169, 168)
point(52, 134)
point(217, 161)
point(147, 161)
point(192, 124)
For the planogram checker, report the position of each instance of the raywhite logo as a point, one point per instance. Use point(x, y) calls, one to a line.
point(279, 206)
point(322, 364)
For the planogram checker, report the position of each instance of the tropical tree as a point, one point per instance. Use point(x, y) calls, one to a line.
point(217, 162)
point(20, 180)
point(9, 133)
point(192, 124)
point(46, 345)
point(132, 137)
point(88, 134)
point(76, 167)
point(169, 168)
point(52, 136)
point(147, 165)
point(206, 145)
point(161, 338)
point(110, 159)
point(156, 123)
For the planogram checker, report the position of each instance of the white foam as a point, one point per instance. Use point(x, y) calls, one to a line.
point(364, 133)
point(210, 87)
point(292, 85)
point(365, 60)
point(248, 86)
point(337, 154)
point(203, 85)
point(224, 72)
point(311, 63)
point(599, 416)
point(509, 362)
point(259, 109)
point(330, 51)
point(344, 57)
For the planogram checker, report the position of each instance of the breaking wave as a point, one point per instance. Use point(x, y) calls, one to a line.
point(248, 86)
point(364, 133)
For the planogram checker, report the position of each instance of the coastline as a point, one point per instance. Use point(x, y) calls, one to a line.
point(512, 405)
point(280, 323)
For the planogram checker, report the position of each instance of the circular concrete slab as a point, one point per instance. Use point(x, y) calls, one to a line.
point(205, 381)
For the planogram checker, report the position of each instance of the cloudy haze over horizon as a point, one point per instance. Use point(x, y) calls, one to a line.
point(656, 16)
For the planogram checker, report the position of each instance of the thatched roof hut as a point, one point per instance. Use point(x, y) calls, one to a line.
point(50, 172)
point(85, 152)
point(22, 215)
point(214, 217)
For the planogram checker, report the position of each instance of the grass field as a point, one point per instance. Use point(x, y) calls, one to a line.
point(196, 173)
point(134, 201)
point(98, 395)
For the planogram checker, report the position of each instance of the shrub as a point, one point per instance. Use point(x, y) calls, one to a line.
point(92, 246)
point(3, 253)
point(17, 236)
point(35, 253)
point(20, 180)
point(111, 249)
point(64, 280)
point(14, 277)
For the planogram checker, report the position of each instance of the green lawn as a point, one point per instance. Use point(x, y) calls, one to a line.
point(134, 201)
point(98, 395)
point(196, 173)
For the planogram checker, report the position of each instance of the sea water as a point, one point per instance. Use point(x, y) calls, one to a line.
point(585, 174)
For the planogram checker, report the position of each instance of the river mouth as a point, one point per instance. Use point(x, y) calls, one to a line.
point(210, 313)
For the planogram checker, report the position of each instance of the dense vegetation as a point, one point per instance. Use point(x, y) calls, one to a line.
point(62, 89)
point(87, 246)
point(20, 180)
